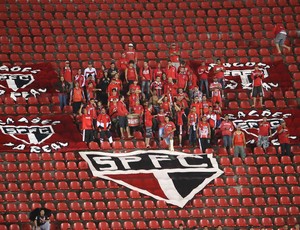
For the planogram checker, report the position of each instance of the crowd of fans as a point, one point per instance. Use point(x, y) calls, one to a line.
point(163, 103)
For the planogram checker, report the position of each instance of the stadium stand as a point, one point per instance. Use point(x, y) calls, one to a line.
point(262, 191)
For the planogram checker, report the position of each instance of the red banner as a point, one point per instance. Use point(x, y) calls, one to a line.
point(237, 75)
point(249, 119)
point(39, 134)
point(27, 80)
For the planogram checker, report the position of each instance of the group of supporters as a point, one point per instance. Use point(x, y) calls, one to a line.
point(164, 103)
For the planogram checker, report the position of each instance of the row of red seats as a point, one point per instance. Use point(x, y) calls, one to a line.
point(44, 109)
point(40, 100)
point(269, 104)
point(277, 94)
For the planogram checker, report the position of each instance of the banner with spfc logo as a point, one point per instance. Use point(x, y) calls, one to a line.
point(173, 177)
point(39, 134)
point(27, 80)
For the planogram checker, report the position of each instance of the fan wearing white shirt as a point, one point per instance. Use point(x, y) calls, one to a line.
point(90, 70)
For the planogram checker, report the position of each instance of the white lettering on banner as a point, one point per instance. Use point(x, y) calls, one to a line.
point(31, 135)
point(244, 74)
point(18, 69)
point(176, 177)
point(253, 120)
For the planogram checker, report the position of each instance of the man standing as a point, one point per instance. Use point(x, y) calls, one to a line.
point(122, 115)
point(146, 78)
point(219, 71)
point(130, 73)
point(192, 122)
point(227, 128)
point(283, 136)
point(171, 71)
point(148, 125)
point(76, 98)
point(203, 78)
point(257, 90)
point(216, 89)
point(80, 79)
point(169, 129)
point(264, 131)
point(90, 70)
point(63, 88)
point(67, 72)
point(239, 143)
point(204, 134)
point(87, 125)
point(104, 126)
point(131, 54)
point(174, 55)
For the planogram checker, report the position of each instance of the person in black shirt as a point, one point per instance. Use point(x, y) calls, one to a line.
point(101, 87)
point(41, 221)
point(63, 89)
point(112, 71)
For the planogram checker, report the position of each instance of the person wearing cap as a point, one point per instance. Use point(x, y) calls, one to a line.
point(67, 72)
point(174, 55)
point(283, 136)
point(280, 37)
point(264, 132)
point(131, 54)
point(90, 70)
point(239, 143)
point(204, 134)
point(227, 128)
point(257, 88)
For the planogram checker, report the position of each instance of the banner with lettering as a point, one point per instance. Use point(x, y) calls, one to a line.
point(39, 134)
point(237, 75)
point(27, 80)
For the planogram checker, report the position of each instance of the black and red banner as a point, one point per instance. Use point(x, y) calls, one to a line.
point(39, 134)
point(27, 80)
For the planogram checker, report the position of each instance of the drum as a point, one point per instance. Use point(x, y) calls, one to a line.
point(133, 120)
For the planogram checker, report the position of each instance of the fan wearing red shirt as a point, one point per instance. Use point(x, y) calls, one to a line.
point(123, 64)
point(197, 105)
point(182, 79)
point(80, 79)
point(113, 85)
point(87, 125)
point(219, 71)
point(104, 126)
point(160, 117)
point(169, 129)
point(146, 78)
point(204, 134)
point(92, 110)
point(212, 120)
point(157, 86)
point(170, 88)
point(131, 53)
point(171, 71)
point(76, 98)
point(113, 97)
point(227, 128)
point(203, 78)
point(138, 109)
point(122, 115)
point(132, 99)
point(182, 99)
point(158, 72)
point(257, 88)
point(204, 108)
point(165, 103)
point(283, 136)
point(264, 131)
point(215, 88)
point(174, 55)
point(148, 125)
point(192, 123)
point(67, 72)
point(239, 143)
point(280, 37)
point(192, 85)
point(130, 73)
point(218, 110)
point(179, 121)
